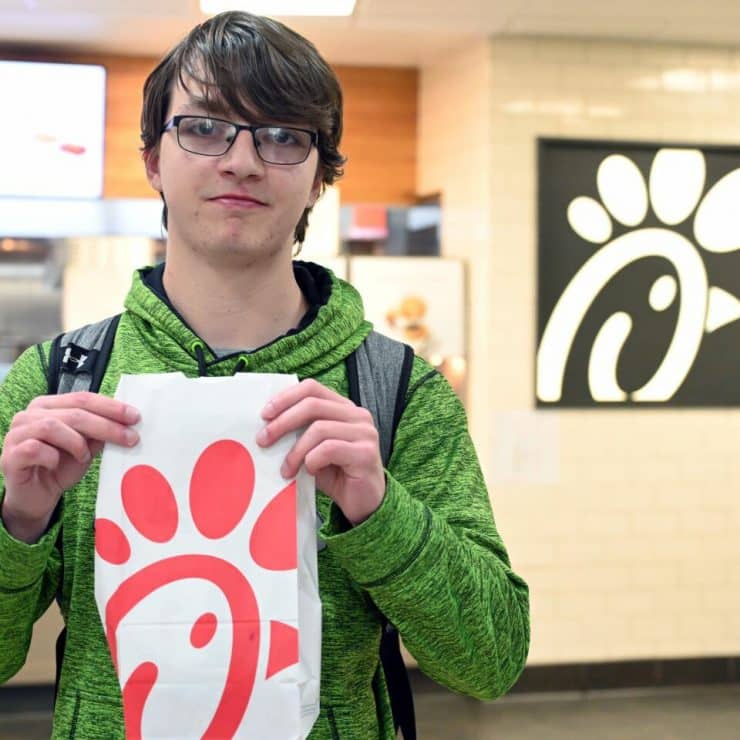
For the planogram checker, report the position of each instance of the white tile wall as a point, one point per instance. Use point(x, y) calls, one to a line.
point(455, 147)
point(632, 551)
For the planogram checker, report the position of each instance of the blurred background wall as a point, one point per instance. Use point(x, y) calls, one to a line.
point(622, 521)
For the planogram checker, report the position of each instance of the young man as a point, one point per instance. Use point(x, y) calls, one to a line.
point(241, 126)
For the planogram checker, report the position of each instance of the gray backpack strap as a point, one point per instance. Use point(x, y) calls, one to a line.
point(379, 372)
point(77, 362)
point(78, 359)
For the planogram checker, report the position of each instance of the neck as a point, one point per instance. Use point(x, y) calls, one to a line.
point(234, 308)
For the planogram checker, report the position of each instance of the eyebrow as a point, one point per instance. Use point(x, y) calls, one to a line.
point(201, 104)
point(195, 103)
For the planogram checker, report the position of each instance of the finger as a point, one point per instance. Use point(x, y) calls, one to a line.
point(94, 403)
point(51, 431)
point(89, 425)
point(365, 440)
point(307, 411)
point(31, 453)
point(99, 428)
point(289, 397)
point(354, 458)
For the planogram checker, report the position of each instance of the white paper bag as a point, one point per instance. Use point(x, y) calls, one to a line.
point(205, 565)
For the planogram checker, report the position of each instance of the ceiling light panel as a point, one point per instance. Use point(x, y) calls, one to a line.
point(281, 7)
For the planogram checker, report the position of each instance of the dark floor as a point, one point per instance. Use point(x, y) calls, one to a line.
point(668, 714)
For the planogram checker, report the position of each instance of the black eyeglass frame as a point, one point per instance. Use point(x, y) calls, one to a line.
point(174, 123)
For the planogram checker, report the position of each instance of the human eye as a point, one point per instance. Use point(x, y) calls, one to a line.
point(281, 136)
point(202, 127)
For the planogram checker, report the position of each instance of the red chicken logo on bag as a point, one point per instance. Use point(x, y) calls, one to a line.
point(178, 601)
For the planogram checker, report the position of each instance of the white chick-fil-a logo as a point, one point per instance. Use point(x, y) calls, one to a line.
point(674, 191)
point(144, 553)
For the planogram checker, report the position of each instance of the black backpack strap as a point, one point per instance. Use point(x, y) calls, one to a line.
point(77, 362)
point(79, 358)
point(378, 373)
point(53, 368)
point(397, 680)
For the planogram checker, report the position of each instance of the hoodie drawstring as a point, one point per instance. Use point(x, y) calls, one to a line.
point(197, 347)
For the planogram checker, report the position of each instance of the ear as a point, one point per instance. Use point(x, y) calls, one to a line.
point(316, 188)
point(151, 164)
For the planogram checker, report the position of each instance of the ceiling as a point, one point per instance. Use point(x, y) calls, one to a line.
point(381, 32)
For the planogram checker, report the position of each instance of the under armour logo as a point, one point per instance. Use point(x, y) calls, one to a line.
point(78, 359)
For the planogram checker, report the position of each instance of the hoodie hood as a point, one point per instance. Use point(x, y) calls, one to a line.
point(338, 328)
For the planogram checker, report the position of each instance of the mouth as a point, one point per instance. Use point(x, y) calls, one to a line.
point(237, 200)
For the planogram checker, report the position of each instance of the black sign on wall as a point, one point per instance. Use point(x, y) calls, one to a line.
point(639, 275)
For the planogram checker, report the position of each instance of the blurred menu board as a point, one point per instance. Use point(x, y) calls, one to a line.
point(51, 137)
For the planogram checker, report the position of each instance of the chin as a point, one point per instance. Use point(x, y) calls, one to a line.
point(244, 253)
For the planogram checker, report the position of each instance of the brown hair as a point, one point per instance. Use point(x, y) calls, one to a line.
point(259, 69)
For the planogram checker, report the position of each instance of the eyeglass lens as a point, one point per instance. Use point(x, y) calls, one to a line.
point(275, 144)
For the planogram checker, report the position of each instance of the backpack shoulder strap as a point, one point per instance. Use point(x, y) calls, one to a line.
point(78, 359)
point(77, 362)
point(378, 372)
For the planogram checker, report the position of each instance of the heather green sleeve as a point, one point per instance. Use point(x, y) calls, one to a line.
point(430, 557)
point(29, 574)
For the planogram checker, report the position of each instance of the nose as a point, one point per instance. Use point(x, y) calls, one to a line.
point(242, 160)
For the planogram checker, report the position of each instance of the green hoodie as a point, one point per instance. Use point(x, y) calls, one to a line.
point(430, 557)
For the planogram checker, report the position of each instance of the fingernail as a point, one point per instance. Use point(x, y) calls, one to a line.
point(131, 415)
point(269, 411)
point(262, 436)
point(284, 470)
point(131, 437)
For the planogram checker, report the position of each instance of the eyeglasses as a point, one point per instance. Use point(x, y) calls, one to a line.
point(213, 137)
